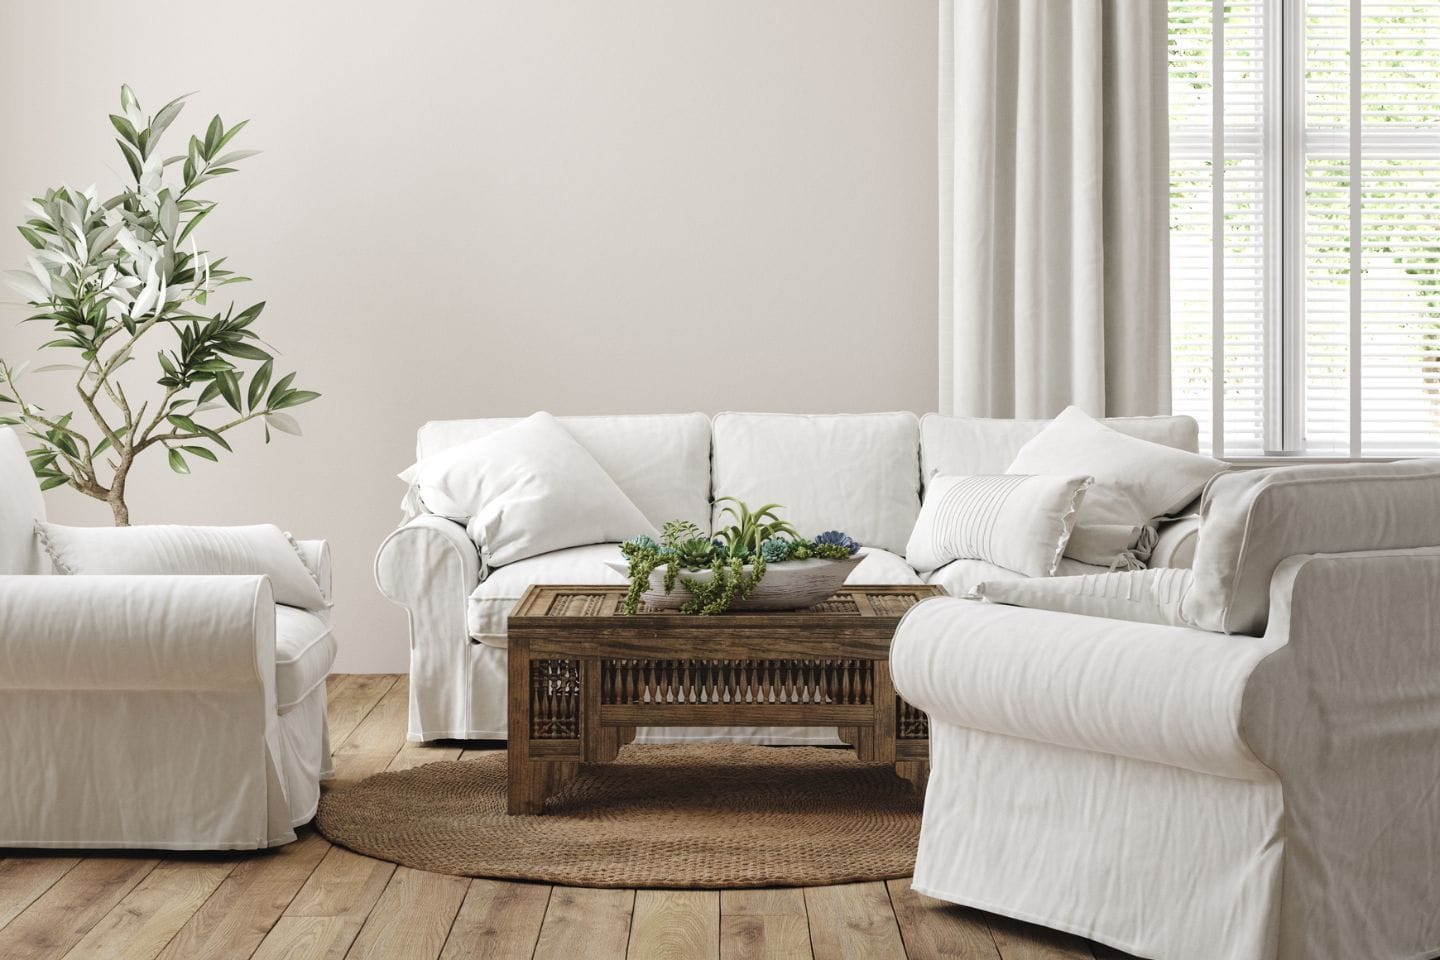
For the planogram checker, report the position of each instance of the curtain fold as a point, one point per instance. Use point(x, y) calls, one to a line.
point(1054, 207)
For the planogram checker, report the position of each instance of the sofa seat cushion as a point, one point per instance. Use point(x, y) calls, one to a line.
point(857, 473)
point(882, 568)
point(959, 577)
point(304, 654)
point(488, 611)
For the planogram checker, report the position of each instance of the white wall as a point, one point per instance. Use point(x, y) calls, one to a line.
point(487, 208)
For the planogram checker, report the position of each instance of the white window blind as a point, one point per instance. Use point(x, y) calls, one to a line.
point(1306, 302)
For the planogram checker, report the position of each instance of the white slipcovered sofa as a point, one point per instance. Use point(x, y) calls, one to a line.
point(860, 473)
point(1267, 787)
point(164, 712)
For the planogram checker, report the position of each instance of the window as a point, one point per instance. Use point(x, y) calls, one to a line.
point(1305, 303)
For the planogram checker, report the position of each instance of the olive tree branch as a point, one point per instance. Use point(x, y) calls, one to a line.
point(177, 435)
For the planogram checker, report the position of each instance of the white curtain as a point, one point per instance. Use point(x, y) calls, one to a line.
point(1054, 188)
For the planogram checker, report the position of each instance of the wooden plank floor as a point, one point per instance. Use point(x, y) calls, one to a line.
point(313, 900)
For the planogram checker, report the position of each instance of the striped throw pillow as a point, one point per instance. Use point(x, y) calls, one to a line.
point(1019, 522)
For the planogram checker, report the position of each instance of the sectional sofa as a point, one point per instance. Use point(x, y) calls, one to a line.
point(861, 473)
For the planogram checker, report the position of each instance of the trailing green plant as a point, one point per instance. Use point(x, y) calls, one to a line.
point(756, 539)
point(107, 272)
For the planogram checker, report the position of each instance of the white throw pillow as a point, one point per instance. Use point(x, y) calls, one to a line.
point(1136, 481)
point(970, 446)
point(661, 461)
point(262, 549)
point(526, 490)
point(1017, 522)
point(1145, 596)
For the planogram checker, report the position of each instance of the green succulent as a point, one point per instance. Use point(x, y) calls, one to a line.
point(751, 528)
point(677, 532)
point(756, 539)
point(776, 550)
point(695, 552)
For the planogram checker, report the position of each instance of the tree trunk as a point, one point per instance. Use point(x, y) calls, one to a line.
point(116, 498)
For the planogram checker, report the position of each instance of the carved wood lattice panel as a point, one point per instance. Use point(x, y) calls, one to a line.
point(835, 682)
point(910, 722)
point(554, 699)
point(580, 605)
point(893, 604)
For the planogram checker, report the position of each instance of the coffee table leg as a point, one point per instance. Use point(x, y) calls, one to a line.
point(530, 780)
point(915, 771)
point(878, 742)
point(522, 794)
point(613, 738)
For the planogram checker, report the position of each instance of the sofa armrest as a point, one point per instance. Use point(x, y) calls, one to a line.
point(430, 567)
point(145, 633)
point(1175, 543)
point(1166, 694)
point(428, 553)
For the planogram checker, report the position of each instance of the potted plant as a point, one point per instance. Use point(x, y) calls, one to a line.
point(108, 272)
point(757, 562)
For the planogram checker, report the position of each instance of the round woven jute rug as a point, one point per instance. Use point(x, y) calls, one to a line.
point(709, 816)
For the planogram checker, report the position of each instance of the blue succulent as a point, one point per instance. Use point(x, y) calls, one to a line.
point(838, 539)
point(643, 542)
point(775, 550)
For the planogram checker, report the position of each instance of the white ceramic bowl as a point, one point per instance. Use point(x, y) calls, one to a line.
point(791, 585)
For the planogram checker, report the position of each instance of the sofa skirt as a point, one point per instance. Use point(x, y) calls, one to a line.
point(1153, 859)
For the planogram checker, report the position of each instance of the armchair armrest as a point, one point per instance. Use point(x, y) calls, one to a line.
point(137, 633)
point(1166, 694)
point(1347, 713)
point(1354, 673)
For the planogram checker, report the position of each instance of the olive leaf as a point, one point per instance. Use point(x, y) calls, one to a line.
point(104, 272)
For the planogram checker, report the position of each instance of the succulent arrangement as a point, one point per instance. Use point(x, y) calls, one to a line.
point(753, 539)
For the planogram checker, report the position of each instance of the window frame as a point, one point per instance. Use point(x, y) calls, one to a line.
point(1286, 141)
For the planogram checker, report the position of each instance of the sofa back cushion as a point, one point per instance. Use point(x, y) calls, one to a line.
point(162, 549)
point(660, 461)
point(858, 473)
point(20, 506)
point(977, 445)
point(1251, 520)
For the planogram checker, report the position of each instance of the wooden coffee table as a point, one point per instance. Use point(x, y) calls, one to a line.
point(583, 676)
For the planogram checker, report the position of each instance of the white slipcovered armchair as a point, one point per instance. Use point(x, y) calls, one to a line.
point(1271, 793)
point(167, 712)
